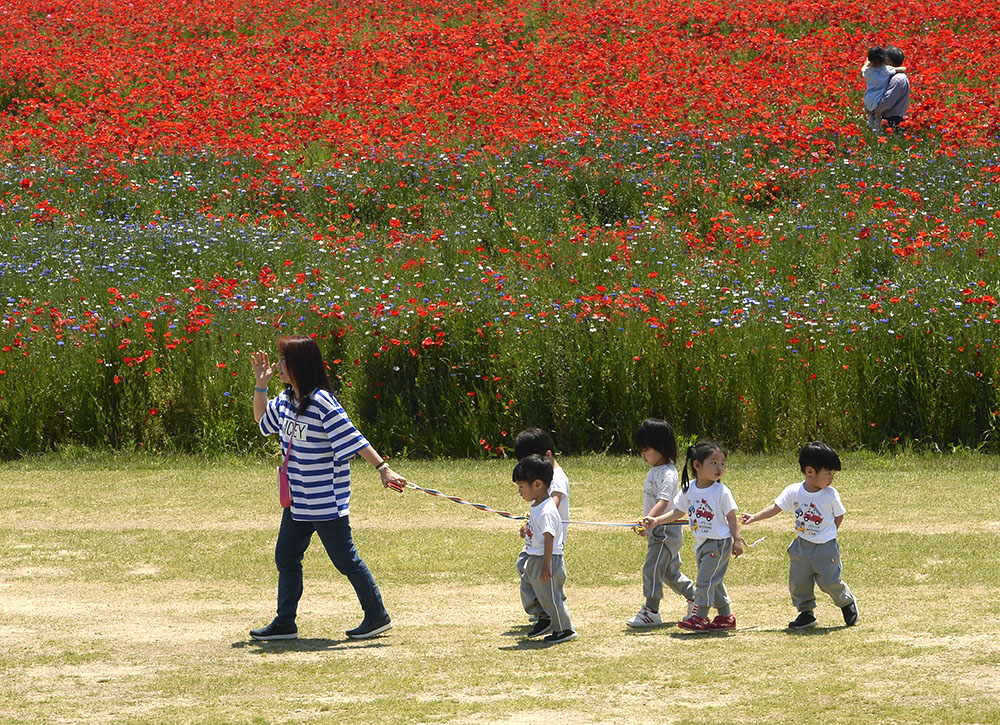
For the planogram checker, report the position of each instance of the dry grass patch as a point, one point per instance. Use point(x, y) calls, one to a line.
point(114, 609)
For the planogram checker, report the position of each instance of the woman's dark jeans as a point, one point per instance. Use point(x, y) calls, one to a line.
point(293, 540)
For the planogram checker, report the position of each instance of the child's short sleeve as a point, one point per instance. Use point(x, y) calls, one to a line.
point(838, 505)
point(668, 484)
point(786, 499)
point(560, 482)
point(551, 523)
point(726, 501)
point(680, 500)
point(662, 483)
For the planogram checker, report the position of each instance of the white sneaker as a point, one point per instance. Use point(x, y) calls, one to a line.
point(690, 609)
point(645, 618)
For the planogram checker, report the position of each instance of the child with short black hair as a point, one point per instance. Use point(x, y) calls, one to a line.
point(658, 448)
point(712, 514)
point(814, 555)
point(535, 441)
point(544, 573)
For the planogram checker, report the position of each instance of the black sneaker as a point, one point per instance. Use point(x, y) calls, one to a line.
point(275, 631)
point(805, 620)
point(564, 636)
point(850, 614)
point(370, 627)
point(542, 626)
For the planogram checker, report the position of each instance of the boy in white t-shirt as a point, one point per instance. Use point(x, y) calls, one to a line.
point(814, 554)
point(535, 441)
point(544, 573)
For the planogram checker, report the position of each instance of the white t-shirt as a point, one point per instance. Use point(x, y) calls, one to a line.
point(707, 509)
point(660, 485)
point(560, 484)
point(814, 512)
point(543, 519)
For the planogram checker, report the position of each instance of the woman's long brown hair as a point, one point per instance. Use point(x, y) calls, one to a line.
point(304, 365)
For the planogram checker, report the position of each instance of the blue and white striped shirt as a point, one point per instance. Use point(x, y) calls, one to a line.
point(323, 442)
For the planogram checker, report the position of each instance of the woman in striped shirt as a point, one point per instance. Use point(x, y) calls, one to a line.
point(319, 441)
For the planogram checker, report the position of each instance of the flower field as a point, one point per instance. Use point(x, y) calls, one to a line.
point(494, 215)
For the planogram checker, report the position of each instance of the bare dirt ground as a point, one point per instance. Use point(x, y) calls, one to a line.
point(117, 608)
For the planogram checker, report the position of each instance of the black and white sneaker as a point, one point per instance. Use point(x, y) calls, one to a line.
point(564, 636)
point(805, 620)
point(850, 614)
point(275, 630)
point(370, 627)
point(542, 626)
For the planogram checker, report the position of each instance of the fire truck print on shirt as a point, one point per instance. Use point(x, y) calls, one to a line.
point(700, 512)
point(707, 509)
point(808, 519)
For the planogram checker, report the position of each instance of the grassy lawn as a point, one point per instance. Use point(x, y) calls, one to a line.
point(128, 589)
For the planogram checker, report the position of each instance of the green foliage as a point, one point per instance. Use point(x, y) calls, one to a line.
point(739, 290)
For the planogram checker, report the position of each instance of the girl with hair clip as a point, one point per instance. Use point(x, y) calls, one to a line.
point(318, 441)
point(711, 511)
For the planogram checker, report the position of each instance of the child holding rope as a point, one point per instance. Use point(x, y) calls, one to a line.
point(814, 555)
point(544, 572)
point(535, 441)
point(658, 448)
point(711, 511)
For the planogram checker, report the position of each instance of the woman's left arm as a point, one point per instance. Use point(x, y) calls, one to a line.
point(390, 479)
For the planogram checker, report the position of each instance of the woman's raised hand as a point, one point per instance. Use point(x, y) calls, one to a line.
point(262, 368)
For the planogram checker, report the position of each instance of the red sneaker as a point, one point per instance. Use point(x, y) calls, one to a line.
point(723, 622)
point(694, 623)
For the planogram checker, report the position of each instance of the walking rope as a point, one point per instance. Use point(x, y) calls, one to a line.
point(635, 525)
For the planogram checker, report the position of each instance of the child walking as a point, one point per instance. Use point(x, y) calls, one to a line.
point(535, 441)
point(711, 511)
point(814, 555)
point(876, 74)
point(658, 448)
point(544, 571)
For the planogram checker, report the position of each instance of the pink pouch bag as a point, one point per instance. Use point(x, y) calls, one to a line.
point(284, 490)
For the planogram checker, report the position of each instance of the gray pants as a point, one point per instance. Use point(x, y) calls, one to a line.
point(663, 563)
point(544, 599)
point(532, 607)
point(816, 564)
point(712, 556)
